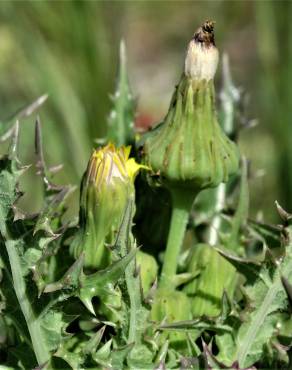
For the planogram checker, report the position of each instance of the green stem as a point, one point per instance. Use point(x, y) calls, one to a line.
point(182, 201)
point(40, 349)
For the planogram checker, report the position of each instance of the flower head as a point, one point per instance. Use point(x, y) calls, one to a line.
point(107, 186)
point(110, 163)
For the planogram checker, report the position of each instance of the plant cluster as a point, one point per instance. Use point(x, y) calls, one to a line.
point(163, 268)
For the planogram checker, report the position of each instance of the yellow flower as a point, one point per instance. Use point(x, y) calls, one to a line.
point(110, 162)
point(107, 186)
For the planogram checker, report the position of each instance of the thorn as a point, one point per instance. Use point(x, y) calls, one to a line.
point(27, 111)
point(88, 304)
point(14, 141)
point(283, 214)
point(6, 135)
point(56, 168)
point(150, 296)
point(39, 146)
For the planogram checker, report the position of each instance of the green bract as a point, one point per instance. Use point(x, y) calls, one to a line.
point(189, 149)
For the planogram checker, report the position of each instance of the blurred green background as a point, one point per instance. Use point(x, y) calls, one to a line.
point(69, 49)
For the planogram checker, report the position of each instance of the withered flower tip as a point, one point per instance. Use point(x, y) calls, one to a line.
point(202, 55)
point(205, 34)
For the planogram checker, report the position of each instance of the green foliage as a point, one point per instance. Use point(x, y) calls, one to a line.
point(266, 300)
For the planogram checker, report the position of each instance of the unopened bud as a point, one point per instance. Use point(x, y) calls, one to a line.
point(107, 186)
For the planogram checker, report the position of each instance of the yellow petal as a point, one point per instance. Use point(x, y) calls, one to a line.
point(133, 167)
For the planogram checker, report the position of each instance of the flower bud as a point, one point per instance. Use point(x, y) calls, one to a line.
point(189, 149)
point(107, 185)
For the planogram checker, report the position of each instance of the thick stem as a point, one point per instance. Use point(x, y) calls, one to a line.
point(181, 205)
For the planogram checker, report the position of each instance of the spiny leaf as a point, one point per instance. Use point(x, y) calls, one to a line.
point(71, 278)
point(118, 355)
point(94, 341)
point(99, 283)
point(73, 359)
point(53, 325)
point(249, 268)
point(267, 234)
point(266, 297)
point(52, 211)
point(102, 356)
